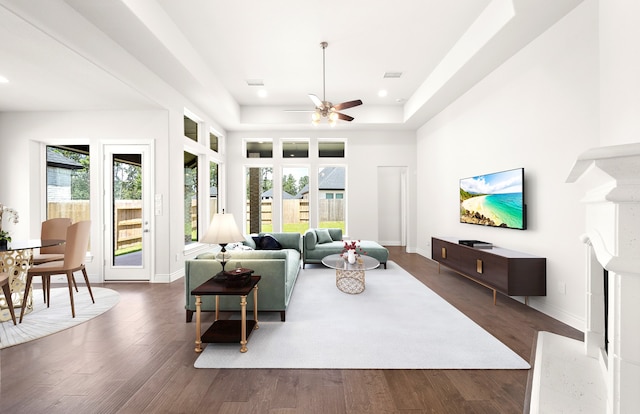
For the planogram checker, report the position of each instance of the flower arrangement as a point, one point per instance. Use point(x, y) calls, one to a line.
point(12, 217)
point(352, 245)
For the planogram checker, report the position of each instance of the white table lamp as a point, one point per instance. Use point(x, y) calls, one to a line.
point(222, 230)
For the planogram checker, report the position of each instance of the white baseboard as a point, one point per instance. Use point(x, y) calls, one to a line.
point(168, 277)
point(390, 242)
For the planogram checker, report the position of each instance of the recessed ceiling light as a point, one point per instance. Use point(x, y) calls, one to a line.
point(382, 93)
point(255, 82)
point(3, 79)
point(393, 75)
point(262, 93)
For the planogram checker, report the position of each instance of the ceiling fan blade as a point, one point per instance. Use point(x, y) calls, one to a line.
point(345, 117)
point(316, 101)
point(345, 105)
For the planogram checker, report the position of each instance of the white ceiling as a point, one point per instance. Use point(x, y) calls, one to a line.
point(96, 54)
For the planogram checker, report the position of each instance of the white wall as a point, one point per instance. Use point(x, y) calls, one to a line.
point(538, 111)
point(619, 69)
point(365, 152)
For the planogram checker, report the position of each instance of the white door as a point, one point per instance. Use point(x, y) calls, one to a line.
point(392, 205)
point(127, 212)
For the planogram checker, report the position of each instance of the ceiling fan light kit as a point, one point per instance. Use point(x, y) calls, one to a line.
point(324, 108)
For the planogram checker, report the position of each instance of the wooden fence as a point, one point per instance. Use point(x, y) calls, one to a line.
point(128, 215)
point(127, 219)
point(297, 211)
point(128, 224)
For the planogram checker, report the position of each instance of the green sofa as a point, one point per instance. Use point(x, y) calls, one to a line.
point(317, 244)
point(279, 270)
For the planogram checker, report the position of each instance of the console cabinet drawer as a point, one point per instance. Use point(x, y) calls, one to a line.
point(509, 272)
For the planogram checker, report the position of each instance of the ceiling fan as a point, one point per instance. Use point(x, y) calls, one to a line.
point(324, 108)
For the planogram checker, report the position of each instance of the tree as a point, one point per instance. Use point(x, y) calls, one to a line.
point(127, 181)
point(302, 182)
point(289, 184)
point(267, 178)
point(79, 177)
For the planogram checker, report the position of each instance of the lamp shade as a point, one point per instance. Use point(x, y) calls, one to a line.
point(222, 230)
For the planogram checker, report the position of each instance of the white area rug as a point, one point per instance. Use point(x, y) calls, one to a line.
point(396, 323)
point(45, 321)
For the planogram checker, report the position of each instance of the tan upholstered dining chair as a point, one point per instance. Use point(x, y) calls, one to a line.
point(55, 228)
point(74, 255)
point(6, 289)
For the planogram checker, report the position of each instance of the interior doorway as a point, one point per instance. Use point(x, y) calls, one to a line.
point(392, 205)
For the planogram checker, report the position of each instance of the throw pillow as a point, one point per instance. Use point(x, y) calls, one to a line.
point(248, 241)
point(269, 242)
point(323, 236)
point(257, 240)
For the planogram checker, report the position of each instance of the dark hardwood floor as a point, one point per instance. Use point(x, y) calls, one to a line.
point(138, 358)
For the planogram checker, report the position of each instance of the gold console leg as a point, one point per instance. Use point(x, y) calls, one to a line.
point(255, 306)
point(198, 337)
point(243, 325)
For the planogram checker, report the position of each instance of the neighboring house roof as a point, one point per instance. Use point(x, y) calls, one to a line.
point(269, 194)
point(331, 178)
point(55, 159)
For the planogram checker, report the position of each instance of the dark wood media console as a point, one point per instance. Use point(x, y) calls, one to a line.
point(506, 271)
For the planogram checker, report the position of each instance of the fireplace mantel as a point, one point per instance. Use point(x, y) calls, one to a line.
point(611, 178)
point(606, 380)
point(608, 261)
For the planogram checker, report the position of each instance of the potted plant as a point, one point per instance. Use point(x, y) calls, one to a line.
point(4, 239)
point(12, 217)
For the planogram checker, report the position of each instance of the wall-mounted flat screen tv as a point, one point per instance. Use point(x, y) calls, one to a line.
point(495, 200)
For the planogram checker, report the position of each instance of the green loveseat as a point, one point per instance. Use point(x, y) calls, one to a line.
point(279, 270)
point(319, 243)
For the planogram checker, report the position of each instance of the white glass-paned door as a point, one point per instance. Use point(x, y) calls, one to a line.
point(127, 212)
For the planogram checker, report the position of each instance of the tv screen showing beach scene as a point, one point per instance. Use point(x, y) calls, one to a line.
point(495, 199)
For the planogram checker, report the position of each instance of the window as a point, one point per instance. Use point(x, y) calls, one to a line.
point(295, 149)
point(330, 148)
point(213, 142)
point(213, 188)
point(295, 208)
point(259, 198)
point(190, 128)
point(127, 209)
point(68, 182)
point(259, 149)
point(331, 197)
point(190, 198)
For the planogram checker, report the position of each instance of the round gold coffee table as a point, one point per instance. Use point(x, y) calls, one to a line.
point(350, 277)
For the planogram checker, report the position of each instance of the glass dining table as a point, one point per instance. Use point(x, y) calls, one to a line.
point(16, 259)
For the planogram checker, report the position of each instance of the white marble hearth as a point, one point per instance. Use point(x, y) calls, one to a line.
point(565, 379)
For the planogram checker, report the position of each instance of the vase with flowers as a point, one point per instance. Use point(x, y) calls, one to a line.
point(352, 250)
point(12, 217)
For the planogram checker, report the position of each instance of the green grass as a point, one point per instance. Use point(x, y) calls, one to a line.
point(333, 225)
point(128, 250)
point(301, 227)
point(295, 227)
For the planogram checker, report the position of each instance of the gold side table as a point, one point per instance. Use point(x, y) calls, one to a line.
point(227, 331)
